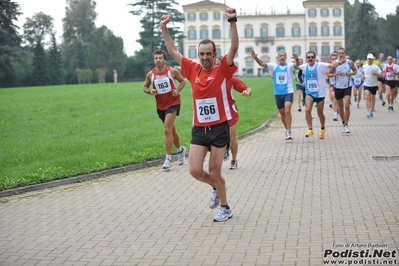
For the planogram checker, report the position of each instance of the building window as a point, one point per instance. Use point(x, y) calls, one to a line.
point(192, 34)
point(296, 31)
point(296, 50)
point(264, 32)
point(279, 48)
point(249, 33)
point(337, 46)
point(280, 32)
point(264, 49)
point(336, 12)
point(324, 12)
point(337, 30)
point(216, 15)
point(312, 12)
point(191, 16)
point(203, 16)
point(192, 53)
point(249, 68)
point(216, 34)
point(312, 31)
point(248, 49)
point(325, 50)
point(313, 48)
point(325, 31)
point(219, 51)
point(203, 34)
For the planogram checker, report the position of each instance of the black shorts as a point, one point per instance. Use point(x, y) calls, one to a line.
point(341, 93)
point(217, 135)
point(381, 79)
point(316, 100)
point(162, 113)
point(391, 83)
point(372, 90)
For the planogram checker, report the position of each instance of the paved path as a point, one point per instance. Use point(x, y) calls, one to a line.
point(293, 202)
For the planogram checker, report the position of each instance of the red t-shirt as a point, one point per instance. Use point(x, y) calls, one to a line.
point(209, 91)
point(237, 85)
point(164, 83)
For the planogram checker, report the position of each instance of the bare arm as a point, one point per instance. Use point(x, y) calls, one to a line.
point(354, 69)
point(170, 45)
point(182, 82)
point(147, 83)
point(260, 62)
point(230, 13)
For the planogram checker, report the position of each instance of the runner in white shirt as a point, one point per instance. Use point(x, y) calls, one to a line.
point(370, 74)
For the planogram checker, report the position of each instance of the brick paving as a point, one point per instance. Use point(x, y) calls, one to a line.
point(292, 201)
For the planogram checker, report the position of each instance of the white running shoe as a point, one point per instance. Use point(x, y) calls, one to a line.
point(167, 164)
point(346, 129)
point(223, 214)
point(215, 200)
point(181, 156)
point(233, 164)
point(335, 117)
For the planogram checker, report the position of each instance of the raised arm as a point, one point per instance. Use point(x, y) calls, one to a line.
point(260, 62)
point(170, 45)
point(231, 15)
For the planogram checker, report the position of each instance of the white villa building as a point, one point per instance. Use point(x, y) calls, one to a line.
point(319, 28)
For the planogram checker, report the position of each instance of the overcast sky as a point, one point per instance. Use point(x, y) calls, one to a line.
point(114, 14)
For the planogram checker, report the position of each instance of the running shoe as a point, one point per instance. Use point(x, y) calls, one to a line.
point(288, 135)
point(226, 155)
point(309, 133)
point(346, 129)
point(215, 200)
point(358, 105)
point(383, 103)
point(233, 164)
point(335, 117)
point(299, 109)
point(330, 105)
point(369, 114)
point(322, 133)
point(223, 214)
point(167, 164)
point(343, 128)
point(355, 98)
point(181, 156)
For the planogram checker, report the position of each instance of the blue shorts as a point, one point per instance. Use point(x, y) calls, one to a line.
point(281, 99)
point(300, 87)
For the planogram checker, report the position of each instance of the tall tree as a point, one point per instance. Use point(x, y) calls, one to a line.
point(40, 75)
point(10, 43)
point(37, 28)
point(365, 35)
point(54, 63)
point(391, 32)
point(78, 23)
point(105, 51)
point(151, 38)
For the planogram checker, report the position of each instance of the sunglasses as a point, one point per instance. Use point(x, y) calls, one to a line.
point(309, 57)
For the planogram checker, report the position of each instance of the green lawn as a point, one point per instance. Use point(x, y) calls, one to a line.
point(55, 132)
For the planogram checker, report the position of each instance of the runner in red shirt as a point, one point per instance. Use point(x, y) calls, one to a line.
point(167, 94)
point(239, 86)
point(211, 110)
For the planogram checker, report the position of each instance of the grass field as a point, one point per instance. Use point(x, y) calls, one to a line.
point(55, 132)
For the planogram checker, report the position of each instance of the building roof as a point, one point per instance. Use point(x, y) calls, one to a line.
point(204, 3)
point(323, 1)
